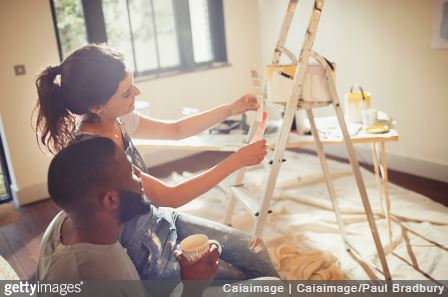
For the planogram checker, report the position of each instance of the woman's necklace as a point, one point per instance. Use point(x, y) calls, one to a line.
point(116, 132)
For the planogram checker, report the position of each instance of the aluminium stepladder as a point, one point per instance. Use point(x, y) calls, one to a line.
point(259, 208)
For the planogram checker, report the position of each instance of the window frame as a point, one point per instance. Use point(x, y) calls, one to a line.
point(6, 180)
point(96, 33)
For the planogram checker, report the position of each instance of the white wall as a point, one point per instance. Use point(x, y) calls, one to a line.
point(27, 37)
point(385, 46)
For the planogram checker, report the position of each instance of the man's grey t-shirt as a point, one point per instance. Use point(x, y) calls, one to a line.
point(83, 261)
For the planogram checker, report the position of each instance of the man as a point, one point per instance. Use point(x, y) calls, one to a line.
point(93, 182)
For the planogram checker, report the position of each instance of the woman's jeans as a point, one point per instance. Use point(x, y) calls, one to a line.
point(150, 240)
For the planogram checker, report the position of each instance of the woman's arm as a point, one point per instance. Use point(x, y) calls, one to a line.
point(192, 125)
point(175, 196)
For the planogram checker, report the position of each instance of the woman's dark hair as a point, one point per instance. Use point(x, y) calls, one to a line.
point(88, 78)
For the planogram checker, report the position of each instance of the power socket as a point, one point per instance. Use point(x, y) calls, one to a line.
point(19, 70)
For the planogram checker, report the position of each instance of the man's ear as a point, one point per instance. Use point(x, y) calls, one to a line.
point(96, 109)
point(111, 200)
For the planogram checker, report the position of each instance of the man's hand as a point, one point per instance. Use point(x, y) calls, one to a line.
point(203, 269)
point(245, 103)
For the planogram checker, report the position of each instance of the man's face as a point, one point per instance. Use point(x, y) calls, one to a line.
point(133, 201)
point(132, 204)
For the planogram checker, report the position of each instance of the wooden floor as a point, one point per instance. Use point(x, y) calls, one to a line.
point(19, 243)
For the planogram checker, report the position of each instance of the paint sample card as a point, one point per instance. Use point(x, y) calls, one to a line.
point(259, 113)
point(260, 129)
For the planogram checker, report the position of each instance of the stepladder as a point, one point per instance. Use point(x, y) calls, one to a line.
point(310, 84)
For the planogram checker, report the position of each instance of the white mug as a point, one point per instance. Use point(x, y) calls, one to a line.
point(195, 246)
point(369, 116)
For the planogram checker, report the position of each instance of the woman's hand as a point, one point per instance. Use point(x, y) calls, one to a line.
point(251, 154)
point(245, 103)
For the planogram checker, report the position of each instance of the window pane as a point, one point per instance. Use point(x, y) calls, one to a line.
point(2, 184)
point(147, 34)
point(5, 192)
point(166, 33)
point(71, 25)
point(143, 34)
point(200, 29)
point(117, 28)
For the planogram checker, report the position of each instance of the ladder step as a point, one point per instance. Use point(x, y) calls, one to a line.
point(313, 104)
point(247, 198)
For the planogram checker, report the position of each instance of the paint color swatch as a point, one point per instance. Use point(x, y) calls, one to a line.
point(260, 129)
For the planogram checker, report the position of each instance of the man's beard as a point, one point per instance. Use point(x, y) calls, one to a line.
point(132, 204)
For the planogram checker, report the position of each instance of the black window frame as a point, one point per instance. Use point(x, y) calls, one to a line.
point(96, 33)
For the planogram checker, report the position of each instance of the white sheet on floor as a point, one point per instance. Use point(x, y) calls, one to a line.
point(6, 271)
point(303, 236)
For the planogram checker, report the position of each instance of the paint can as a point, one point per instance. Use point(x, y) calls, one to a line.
point(355, 101)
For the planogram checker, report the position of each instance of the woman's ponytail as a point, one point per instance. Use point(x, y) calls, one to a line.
point(54, 123)
point(87, 78)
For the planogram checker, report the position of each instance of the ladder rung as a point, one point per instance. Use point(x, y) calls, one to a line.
point(313, 104)
point(303, 104)
point(247, 199)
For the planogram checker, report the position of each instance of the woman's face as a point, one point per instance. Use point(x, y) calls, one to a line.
point(122, 102)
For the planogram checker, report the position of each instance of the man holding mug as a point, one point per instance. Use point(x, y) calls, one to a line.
point(93, 182)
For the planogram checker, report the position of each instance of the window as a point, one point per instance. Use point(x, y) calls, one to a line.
point(156, 36)
point(5, 180)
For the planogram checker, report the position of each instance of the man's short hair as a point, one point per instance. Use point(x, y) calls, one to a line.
point(82, 168)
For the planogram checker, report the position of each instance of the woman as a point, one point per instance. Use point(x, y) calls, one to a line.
point(92, 93)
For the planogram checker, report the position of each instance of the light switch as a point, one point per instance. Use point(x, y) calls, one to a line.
point(19, 70)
